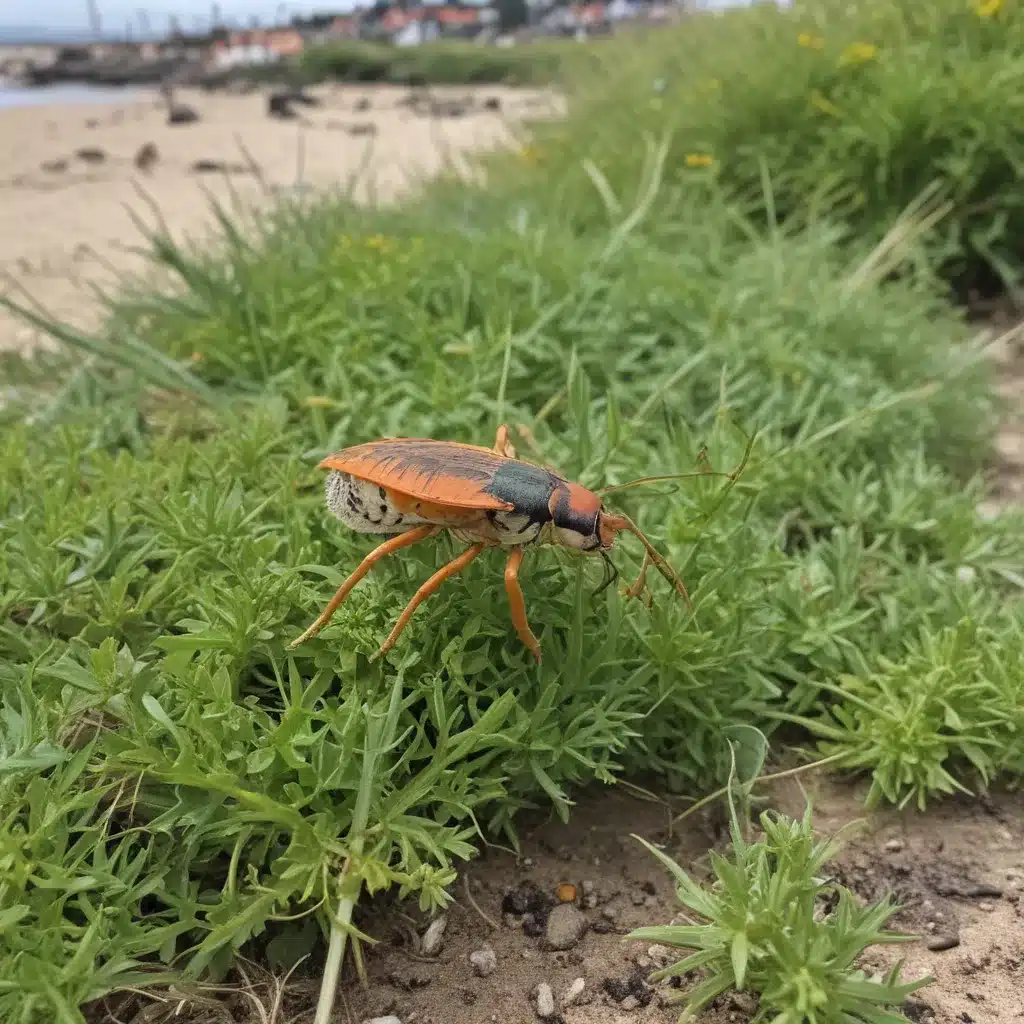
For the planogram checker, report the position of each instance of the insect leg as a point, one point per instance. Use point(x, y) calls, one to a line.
point(518, 602)
point(611, 574)
point(502, 445)
point(456, 565)
point(640, 586)
point(403, 540)
point(623, 522)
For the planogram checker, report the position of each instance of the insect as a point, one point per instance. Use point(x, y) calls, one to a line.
point(415, 488)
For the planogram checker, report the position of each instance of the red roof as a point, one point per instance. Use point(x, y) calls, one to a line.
point(395, 18)
point(588, 13)
point(458, 16)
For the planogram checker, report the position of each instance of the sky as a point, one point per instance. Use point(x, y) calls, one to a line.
point(73, 14)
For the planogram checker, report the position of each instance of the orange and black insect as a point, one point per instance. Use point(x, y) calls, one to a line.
point(416, 487)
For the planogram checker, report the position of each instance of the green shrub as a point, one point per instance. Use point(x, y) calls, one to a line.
point(442, 63)
point(954, 701)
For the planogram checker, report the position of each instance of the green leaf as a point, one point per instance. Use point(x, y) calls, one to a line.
point(739, 951)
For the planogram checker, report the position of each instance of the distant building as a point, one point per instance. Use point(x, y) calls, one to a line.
point(344, 27)
point(258, 46)
point(417, 25)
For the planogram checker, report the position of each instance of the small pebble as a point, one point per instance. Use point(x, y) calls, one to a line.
point(545, 1001)
point(629, 1003)
point(566, 925)
point(383, 1020)
point(743, 1001)
point(661, 955)
point(987, 907)
point(572, 994)
point(943, 942)
point(894, 846)
point(610, 913)
point(587, 886)
point(917, 1009)
point(484, 962)
point(433, 937)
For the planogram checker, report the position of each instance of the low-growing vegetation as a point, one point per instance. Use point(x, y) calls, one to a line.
point(441, 63)
point(681, 278)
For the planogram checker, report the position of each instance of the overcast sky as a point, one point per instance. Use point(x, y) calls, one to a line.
point(73, 14)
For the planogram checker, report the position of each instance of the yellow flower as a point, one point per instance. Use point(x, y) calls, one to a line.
point(196, 357)
point(699, 160)
point(811, 42)
point(378, 242)
point(858, 53)
point(825, 105)
point(987, 8)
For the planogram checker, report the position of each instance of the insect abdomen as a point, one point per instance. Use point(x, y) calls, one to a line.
point(366, 507)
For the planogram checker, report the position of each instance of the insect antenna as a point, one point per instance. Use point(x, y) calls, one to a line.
point(731, 476)
point(644, 480)
point(611, 573)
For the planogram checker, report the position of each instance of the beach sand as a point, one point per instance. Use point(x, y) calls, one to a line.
point(66, 222)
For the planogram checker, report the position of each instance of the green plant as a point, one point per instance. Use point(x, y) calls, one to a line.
point(954, 699)
point(771, 924)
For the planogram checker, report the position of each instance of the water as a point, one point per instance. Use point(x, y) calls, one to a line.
point(64, 92)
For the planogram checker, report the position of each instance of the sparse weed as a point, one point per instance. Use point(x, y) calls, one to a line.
point(772, 924)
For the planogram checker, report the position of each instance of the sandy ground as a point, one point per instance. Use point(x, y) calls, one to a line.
point(64, 212)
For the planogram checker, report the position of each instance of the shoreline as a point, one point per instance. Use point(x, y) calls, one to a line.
point(16, 95)
point(76, 172)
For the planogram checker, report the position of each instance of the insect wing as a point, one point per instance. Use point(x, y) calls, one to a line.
point(443, 474)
